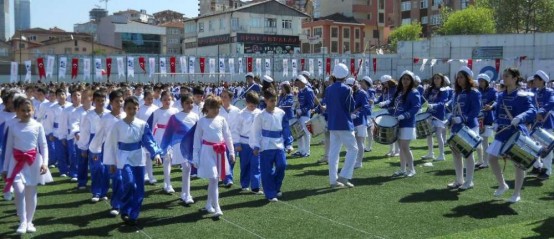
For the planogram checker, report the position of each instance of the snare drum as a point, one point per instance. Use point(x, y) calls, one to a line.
point(241, 103)
point(386, 129)
point(317, 125)
point(464, 141)
point(481, 121)
point(377, 113)
point(545, 138)
point(522, 150)
point(296, 129)
point(423, 125)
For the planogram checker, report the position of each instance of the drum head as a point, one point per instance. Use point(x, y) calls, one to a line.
point(422, 116)
point(379, 112)
point(386, 121)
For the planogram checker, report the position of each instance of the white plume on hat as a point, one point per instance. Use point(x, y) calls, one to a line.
point(306, 74)
point(467, 71)
point(385, 78)
point(407, 72)
point(340, 71)
point(268, 79)
point(249, 74)
point(367, 79)
point(302, 79)
point(350, 81)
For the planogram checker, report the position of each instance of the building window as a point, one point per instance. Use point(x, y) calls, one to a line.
point(376, 34)
point(424, 20)
point(32, 38)
point(84, 49)
point(221, 24)
point(436, 19)
point(381, 17)
point(334, 47)
point(200, 27)
point(346, 47)
point(210, 25)
point(406, 6)
point(286, 24)
point(357, 47)
point(334, 32)
point(256, 22)
point(318, 32)
point(368, 16)
point(381, 4)
point(424, 4)
point(464, 3)
point(67, 50)
point(357, 34)
point(271, 22)
point(346, 33)
point(436, 3)
point(235, 23)
point(190, 28)
point(309, 32)
point(76, 48)
point(406, 21)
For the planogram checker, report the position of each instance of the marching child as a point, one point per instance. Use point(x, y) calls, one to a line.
point(145, 111)
point(212, 138)
point(69, 138)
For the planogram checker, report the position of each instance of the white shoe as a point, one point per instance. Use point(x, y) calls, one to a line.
point(217, 214)
point(104, 198)
point(396, 155)
point(337, 185)
point(514, 199)
point(31, 228)
point(245, 189)
point(73, 179)
point(467, 185)
point(358, 165)
point(82, 188)
point(345, 182)
point(153, 181)
point(279, 194)
point(399, 173)
point(114, 212)
point(22, 229)
point(63, 175)
point(187, 199)
point(454, 185)
point(440, 158)
point(428, 156)
point(8, 196)
point(274, 200)
point(209, 209)
point(428, 164)
point(501, 190)
point(410, 174)
point(95, 199)
point(169, 190)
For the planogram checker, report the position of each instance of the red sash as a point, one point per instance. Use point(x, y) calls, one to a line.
point(220, 149)
point(159, 126)
point(20, 158)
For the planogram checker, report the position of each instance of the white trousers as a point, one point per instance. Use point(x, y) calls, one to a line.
point(339, 138)
point(304, 141)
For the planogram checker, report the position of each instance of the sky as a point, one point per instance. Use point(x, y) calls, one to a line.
point(64, 13)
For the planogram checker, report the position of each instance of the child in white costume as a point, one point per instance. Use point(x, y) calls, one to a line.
point(146, 109)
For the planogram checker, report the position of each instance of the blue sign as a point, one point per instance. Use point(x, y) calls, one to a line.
point(490, 71)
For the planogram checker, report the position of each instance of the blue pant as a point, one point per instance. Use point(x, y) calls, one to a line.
point(117, 189)
point(249, 168)
point(51, 150)
point(61, 156)
point(99, 176)
point(74, 155)
point(272, 179)
point(229, 177)
point(132, 190)
point(82, 169)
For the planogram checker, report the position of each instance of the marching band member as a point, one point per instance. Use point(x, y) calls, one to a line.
point(544, 102)
point(513, 111)
point(388, 89)
point(405, 104)
point(230, 113)
point(249, 163)
point(306, 103)
point(251, 85)
point(437, 97)
point(286, 100)
point(488, 101)
point(126, 139)
point(367, 86)
point(212, 138)
point(359, 118)
point(340, 104)
point(158, 122)
point(419, 86)
point(466, 106)
point(269, 139)
point(145, 111)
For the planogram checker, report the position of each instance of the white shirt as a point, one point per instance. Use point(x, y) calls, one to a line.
point(106, 123)
point(67, 121)
point(271, 122)
point(25, 137)
point(57, 112)
point(214, 130)
point(90, 124)
point(197, 108)
point(123, 132)
point(146, 111)
point(230, 116)
point(160, 117)
point(241, 129)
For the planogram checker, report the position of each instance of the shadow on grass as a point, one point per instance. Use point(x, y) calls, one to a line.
point(75, 204)
point(379, 180)
point(545, 230)
point(549, 196)
point(81, 221)
point(444, 172)
point(431, 195)
point(304, 193)
point(321, 172)
point(103, 231)
point(483, 210)
point(302, 165)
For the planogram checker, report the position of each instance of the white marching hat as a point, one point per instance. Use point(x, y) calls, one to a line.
point(340, 71)
point(417, 79)
point(350, 81)
point(385, 78)
point(305, 73)
point(367, 79)
point(467, 71)
point(285, 83)
point(484, 77)
point(407, 72)
point(541, 74)
point(302, 79)
point(268, 79)
point(249, 74)
point(447, 80)
point(530, 78)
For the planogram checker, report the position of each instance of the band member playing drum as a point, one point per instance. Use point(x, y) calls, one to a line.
point(251, 85)
point(488, 101)
point(286, 100)
point(388, 89)
point(544, 102)
point(367, 85)
point(404, 105)
point(513, 110)
point(465, 107)
point(359, 118)
point(306, 101)
point(437, 96)
point(320, 109)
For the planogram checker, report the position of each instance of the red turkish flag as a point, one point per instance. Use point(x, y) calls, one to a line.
point(374, 65)
point(141, 64)
point(328, 66)
point(302, 63)
point(470, 63)
point(416, 60)
point(172, 64)
point(352, 65)
point(202, 64)
point(497, 64)
point(41, 70)
point(74, 68)
point(108, 67)
point(249, 64)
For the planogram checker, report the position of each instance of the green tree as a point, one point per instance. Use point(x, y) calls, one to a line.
point(521, 16)
point(470, 21)
point(411, 32)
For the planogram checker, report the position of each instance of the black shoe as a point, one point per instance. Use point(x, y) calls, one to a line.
point(131, 223)
point(542, 175)
point(125, 218)
point(535, 171)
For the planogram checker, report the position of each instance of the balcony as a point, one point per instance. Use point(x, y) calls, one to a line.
point(361, 8)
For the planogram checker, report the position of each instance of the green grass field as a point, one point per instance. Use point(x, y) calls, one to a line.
point(378, 207)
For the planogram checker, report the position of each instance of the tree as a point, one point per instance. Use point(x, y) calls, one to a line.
point(521, 16)
point(470, 21)
point(411, 32)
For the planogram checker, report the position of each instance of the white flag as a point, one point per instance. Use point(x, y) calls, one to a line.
point(151, 66)
point(232, 65)
point(221, 65)
point(311, 66)
point(294, 68)
point(211, 63)
point(163, 67)
point(98, 68)
point(49, 66)
point(241, 69)
point(337, 61)
point(268, 66)
point(343, 61)
point(86, 68)
point(130, 67)
point(120, 67)
point(320, 66)
point(285, 67)
point(28, 74)
point(422, 68)
point(183, 63)
point(258, 66)
point(433, 62)
point(192, 61)
point(62, 67)
point(13, 72)
point(367, 67)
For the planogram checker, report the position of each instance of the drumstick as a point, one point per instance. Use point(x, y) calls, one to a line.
point(505, 128)
point(544, 118)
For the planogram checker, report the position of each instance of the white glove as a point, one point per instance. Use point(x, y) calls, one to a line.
point(298, 111)
point(495, 126)
point(431, 106)
point(401, 117)
point(383, 103)
point(516, 121)
point(457, 120)
point(354, 116)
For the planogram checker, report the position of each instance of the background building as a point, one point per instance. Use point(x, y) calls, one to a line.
point(427, 12)
point(175, 35)
point(335, 34)
point(22, 14)
point(168, 16)
point(206, 7)
point(6, 19)
point(132, 36)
